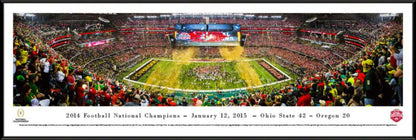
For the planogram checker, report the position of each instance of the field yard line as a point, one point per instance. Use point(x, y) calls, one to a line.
point(188, 90)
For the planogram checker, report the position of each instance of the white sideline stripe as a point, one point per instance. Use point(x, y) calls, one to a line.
point(188, 90)
point(290, 78)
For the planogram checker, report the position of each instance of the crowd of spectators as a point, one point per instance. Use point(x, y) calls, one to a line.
point(318, 38)
point(268, 39)
point(291, 21)
point(210, 52)
point(313, 51)
point(311, 65)
point(256, 52)
point(255, 41)
point(320, 30)
point(94, 37)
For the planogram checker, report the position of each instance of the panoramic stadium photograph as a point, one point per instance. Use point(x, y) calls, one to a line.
point(215, 59)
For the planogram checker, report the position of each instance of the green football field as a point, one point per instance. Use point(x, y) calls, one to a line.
point(205, 75)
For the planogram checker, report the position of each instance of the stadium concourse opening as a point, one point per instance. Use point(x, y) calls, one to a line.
point(224, 59)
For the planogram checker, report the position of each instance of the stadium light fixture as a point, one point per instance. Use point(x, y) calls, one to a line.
point(103, 20)
point(263, 16)
point(164, 15)
point(20, 14)
point(138, 16)
point(30, 15)
point(311, 19)
point(131, 20)
point(276, 16)
point(389, 15)
point(151, 16)
point(249, 15)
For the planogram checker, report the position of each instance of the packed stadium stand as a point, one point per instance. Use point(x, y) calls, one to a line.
point(338, 59)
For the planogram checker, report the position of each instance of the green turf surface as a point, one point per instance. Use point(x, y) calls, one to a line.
point(264, 75)
point(189, 80)
point(283, 69)
point(231, 79)
point(160, 64)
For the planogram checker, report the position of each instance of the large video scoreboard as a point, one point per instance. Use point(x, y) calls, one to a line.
point(207, 34)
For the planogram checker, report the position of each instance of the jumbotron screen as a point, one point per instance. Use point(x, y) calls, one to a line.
point(207, 34)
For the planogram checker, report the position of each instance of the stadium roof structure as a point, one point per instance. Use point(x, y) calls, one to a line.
point(111, 16)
